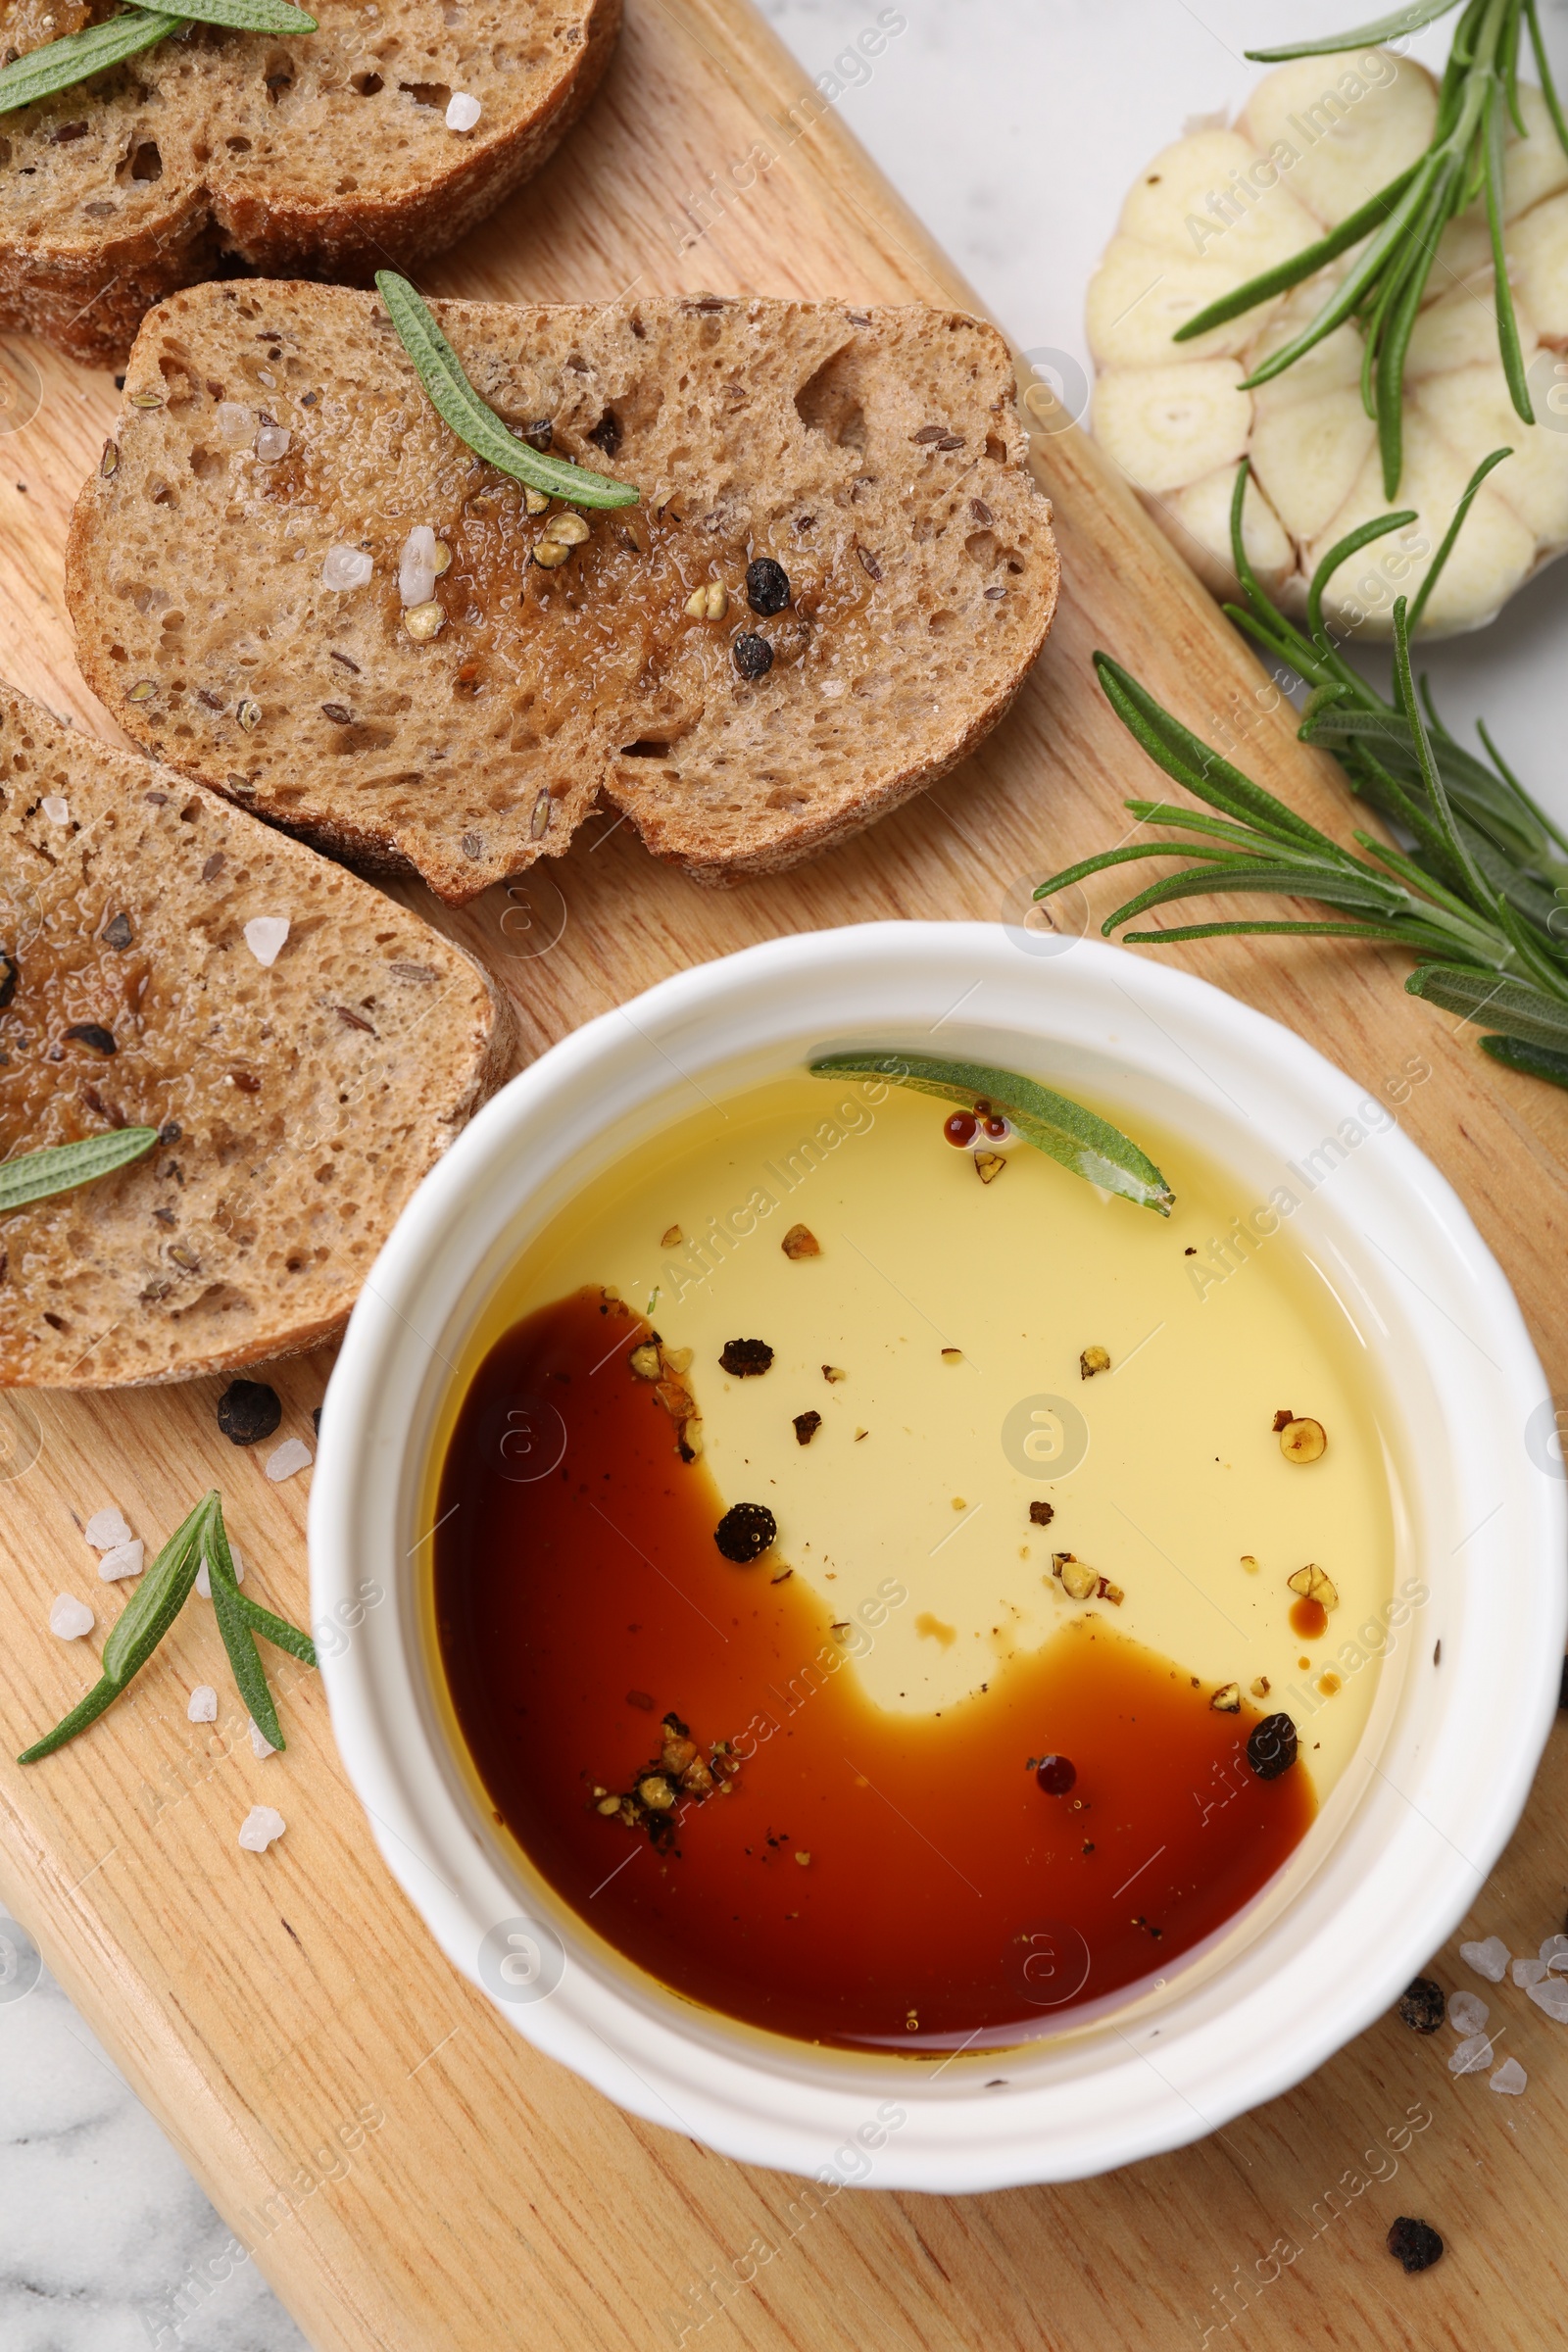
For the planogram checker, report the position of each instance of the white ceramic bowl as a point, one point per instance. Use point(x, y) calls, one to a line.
point(1398, 1854)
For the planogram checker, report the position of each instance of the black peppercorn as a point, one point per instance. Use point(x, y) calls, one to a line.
point(1056, 1775)
point(249, 1410)
point(754, 656)
point(1415, 2244)
point(806, 1425)
point(767, 585)
point(94, 1033)
point(117, 932)
point(746, 1357)
point(745, 1532)
point(1422, 2006)
point(1271, 1746)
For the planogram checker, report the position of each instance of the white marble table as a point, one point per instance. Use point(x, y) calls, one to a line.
point(1013, 126)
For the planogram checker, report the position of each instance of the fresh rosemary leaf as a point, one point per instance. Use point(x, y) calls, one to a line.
point(158, 1599)
point(243, 1659)
point(1536, 1062)
point(1400, 227)
point(61, 65)
point(247, 15)
point(157, 1602)
point(1076, 1138)
point(1366, 36)
point(61, 1167)
point(1514, 1007)
point(277, 1631)
point(456, 401)
point(162, 1592)
point(87, 1710)
point(229, 1608)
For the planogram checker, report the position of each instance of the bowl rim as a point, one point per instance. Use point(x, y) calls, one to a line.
point(1348, 1940)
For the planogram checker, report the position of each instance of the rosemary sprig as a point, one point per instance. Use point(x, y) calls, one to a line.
point(456, 401)
point(1481, 897)
point(1384, 286)
point(160, 1596)
point(1076, 1138)
point(77, 56)
point(61, 1167)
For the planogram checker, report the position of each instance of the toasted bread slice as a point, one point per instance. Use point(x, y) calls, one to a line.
point(329, 155)
point(874, 457)
point(298, 1102)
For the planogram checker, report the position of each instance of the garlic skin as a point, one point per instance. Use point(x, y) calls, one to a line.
point(1210, 212)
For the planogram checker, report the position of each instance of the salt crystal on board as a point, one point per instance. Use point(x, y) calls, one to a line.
point(203, 1704)
point(1488, 1959)
point(1510, 2078)
point(283, 1460)
point(1551, 1995)
point(259, 1743)
point(69, 1618)
point(1554, 1951)
point(259, 1829)
point(1467, 2012)
point(126, 1559)
point(1528, 1972)
point(107, 1528)
point(1473, 2055)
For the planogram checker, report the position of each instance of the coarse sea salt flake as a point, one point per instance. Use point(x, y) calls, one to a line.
point(1473, 2055)
point(126, 1559)
point(416, 567)
point(1528, 1972)
point(259, 1743)
point(259, 1828)
point(1467, 2012)
point(1551, 1995)
point(265, 935)
point(271, 443)
point(1554, 1951)
point(57, 810)
point(344, 567)
point(107, 1528)
point(69, 1618)
point(283, 1460)
point(203, 1704)
point(463, 111)
point(1510, 2078)
point(1488, 1959)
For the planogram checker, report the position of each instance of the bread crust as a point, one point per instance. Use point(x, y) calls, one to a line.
point(874, 457)
point(298, 1104)
point(85, 288)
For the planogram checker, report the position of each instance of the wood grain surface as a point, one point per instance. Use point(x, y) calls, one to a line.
point(407, 2170)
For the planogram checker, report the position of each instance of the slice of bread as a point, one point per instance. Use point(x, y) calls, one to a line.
point(875, 456)
point(329, 154)
point(298, 1102)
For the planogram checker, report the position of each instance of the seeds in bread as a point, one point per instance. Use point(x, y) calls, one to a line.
point(875, 457)
point(330, 153)
point(298, 1102)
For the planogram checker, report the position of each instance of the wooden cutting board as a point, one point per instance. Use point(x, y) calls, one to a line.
point(407, 2172)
